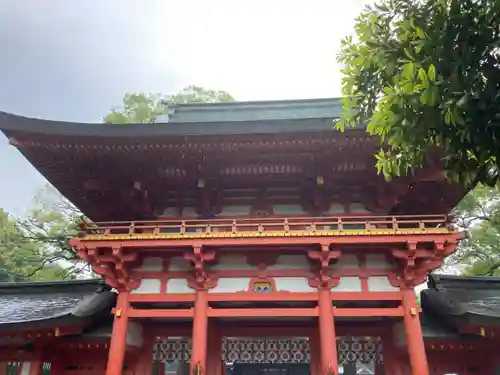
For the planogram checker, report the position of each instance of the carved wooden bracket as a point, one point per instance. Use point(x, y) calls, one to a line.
point(417, 262)
point(201, 279)
point(325, 257)
point(113, 267)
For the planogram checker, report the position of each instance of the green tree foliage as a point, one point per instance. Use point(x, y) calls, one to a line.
point(196, 94)
point(145, 108)
point(35, 247)
point(479, 213)
point(425, 75)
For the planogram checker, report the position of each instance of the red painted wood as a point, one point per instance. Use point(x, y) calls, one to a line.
point(327, 333)
point(200, 327)
point(118, 341)
point(414, 337)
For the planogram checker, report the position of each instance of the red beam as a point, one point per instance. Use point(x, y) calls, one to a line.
point(367, 312)
point(157, 297)
point(262, 297)
point(257, 313)
point(266, 297)
point(267, 241)
point(366, 296)
point(160, 313)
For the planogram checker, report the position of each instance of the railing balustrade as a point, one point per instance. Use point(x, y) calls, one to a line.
point(287, 225)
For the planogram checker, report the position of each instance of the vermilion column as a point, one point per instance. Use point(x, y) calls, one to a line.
point(414, 338)
point(37, 363)
point(118, 342)
point(200, 326)
point(327, 332)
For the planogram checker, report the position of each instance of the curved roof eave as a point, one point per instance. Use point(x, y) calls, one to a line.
point(10, 124)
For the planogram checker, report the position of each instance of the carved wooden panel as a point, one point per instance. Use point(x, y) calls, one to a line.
point(265, 350)
point(359, 350)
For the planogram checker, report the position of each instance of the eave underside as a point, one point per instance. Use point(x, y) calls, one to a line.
point(98, 173)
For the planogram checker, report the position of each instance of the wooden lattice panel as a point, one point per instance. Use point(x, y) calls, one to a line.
point(359, 350)
point(269, 350)
point(265, 350)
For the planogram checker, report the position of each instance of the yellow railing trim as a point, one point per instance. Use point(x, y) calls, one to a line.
point(179, 236)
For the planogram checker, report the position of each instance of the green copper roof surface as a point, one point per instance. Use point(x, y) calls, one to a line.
point(257, 111)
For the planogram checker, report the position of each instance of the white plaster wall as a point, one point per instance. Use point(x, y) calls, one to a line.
point(235, 210)
point(170, 212)
point(293, 284)
point(148, 286)
point(357, 207)
point(231, 285)
point(178, 264)
point(134, 334)
point(290, 262)
point(189, 212)
point(377, 261)
point(25, 369)
point(380, 284)
point(231, 262)
point(178, 286)
point(336, 208)
point(348, 284)
point(288, 209)
point(346, 261)
point(151, 264)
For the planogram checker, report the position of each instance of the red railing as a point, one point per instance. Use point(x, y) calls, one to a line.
point(272, 224)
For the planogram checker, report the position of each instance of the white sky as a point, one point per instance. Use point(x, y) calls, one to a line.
point(74, 60)
point(259, 49)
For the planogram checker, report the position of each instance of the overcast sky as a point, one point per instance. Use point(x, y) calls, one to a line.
point(74, 60)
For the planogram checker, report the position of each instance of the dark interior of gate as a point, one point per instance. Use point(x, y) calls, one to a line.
point(358, 355)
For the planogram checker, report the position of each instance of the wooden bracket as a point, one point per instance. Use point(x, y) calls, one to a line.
point(111, 266)
point(200, 279)
point(325, 257)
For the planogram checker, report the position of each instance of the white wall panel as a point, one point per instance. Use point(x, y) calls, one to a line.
point(380, 284)
point(231, 285)
point(178, 286)
point(348, 284)
point(293, 284)
point(148, 286)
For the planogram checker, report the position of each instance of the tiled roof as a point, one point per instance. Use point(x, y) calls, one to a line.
point(44, 302)
point(461, 299)
point(238, 118)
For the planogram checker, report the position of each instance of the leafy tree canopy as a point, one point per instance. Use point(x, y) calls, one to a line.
point(145, 108)
point(35, 247)
point(425, 75)
point(479, 213)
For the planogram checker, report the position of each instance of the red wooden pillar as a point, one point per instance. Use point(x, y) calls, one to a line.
point(327, 332)
point(414, 338)
point(199, 340)
point(118, 342)
point(36, 365)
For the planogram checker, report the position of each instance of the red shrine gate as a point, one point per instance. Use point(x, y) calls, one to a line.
point(232, 279)
point(255, 217)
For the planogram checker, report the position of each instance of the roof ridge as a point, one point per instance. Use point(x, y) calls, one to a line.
point(260, 102)
point(51, 283)
point(442, 282)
